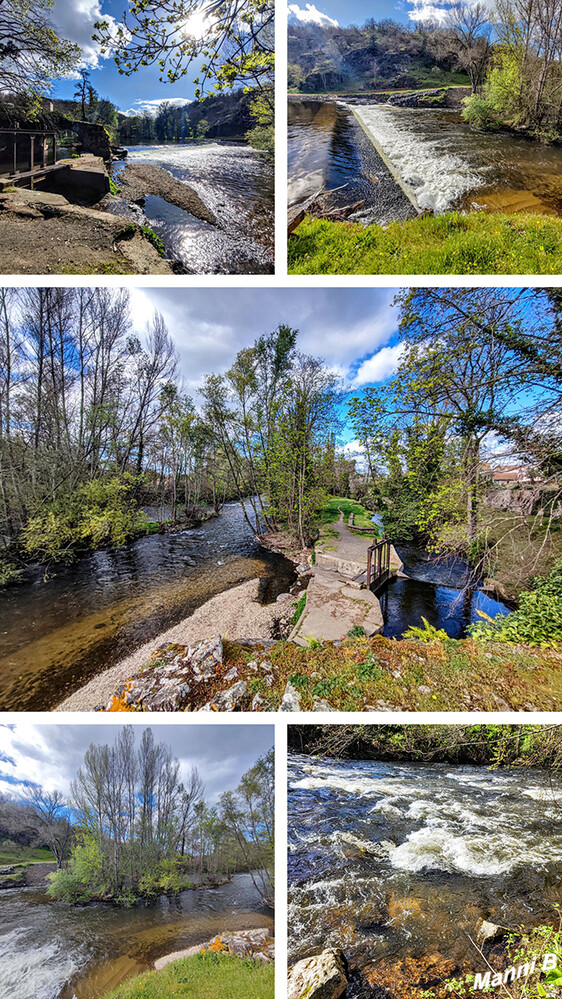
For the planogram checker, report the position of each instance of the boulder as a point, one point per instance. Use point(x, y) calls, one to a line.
point(206, 657)
point(291, 699)
point(227, 700)
point(323, 976)
point(321, 704)
point(488, 932)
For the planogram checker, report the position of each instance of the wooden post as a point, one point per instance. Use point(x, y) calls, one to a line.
point(54, 147)
point(369, 553)
point(44, 151)
point(15, 150)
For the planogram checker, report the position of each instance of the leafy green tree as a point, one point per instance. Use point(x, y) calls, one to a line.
point(233, 39)
point(31, 53)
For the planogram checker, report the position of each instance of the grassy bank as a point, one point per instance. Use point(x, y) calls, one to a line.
point(365, 674)
point(21, 856)
point(475, 243)
point(205, 976)
point(335, 505)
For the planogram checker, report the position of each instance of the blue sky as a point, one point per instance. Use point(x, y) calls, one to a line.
point(50, 755)
point(75, 19)
point(358, 11)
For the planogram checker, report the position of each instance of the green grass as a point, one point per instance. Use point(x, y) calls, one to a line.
point(24, 855)
point(330, 513)
point(202, 977)
point(452, 243)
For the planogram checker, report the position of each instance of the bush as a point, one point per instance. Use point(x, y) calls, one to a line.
point(537, 620)
point(99, 512)
point(478, 111)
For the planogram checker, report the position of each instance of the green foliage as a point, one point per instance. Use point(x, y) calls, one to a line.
point(299, 608)
point(9, 573)
point(471, 243)
point(154, 239)
point(357, 631)
point(537, 620)
point(101, 512)
point(204, 976)
point(113, 187)
point(426, 634)
point(262, 137)
point(369, 669)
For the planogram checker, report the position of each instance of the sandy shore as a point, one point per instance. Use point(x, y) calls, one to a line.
point(233, 614)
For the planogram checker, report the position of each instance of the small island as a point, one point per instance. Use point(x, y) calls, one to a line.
point(135, 870)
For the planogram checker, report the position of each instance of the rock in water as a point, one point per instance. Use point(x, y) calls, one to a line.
point(323, 976)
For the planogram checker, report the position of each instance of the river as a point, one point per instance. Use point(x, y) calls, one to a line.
point(445, 163)
point(436, 588)
point(236, 183)
point(51, 950)
point(56, 634)
point(392, 860)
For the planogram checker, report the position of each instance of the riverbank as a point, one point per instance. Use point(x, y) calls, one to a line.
point(358, 674)
point(451, 243)
point(236, 613)
point(202, 976)
point(44, 233)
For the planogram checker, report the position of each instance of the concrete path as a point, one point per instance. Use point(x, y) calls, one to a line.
point(335, 599)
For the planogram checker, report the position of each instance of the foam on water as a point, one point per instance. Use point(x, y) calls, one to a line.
point(437, 177)
point(34, 972)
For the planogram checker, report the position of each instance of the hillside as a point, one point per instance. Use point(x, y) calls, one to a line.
point(377, 56)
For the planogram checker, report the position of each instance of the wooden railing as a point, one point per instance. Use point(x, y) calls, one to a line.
point(378, 564)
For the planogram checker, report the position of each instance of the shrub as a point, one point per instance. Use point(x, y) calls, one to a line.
point(426, 634)
point(537, 620)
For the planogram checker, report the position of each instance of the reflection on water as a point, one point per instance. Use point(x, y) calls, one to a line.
point(404, 859)
point(50, 950)
point(237, 185)
point(327, 149)
point(57, 634)
point(450, 164)
point(437, 590)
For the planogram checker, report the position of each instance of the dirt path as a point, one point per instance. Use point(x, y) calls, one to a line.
point(140, 179)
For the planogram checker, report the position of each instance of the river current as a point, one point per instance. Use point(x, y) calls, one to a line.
point(52, 950)
point(389, 860)
point(444, 162)
point(236, 183)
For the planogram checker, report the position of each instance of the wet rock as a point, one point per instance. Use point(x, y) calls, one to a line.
point(488, 932)
point(227, 700)
point(291, 699)
point(323, 976)
point(320, 704)
point(411, 976)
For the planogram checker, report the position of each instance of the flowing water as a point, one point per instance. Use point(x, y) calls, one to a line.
point(236, 183)
point(389, 860)
point(50, 950)
point(56, 634)
point(444, 162)
point(327, 149)
point(436, 588)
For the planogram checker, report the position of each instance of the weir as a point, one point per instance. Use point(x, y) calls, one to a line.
point(404, 187)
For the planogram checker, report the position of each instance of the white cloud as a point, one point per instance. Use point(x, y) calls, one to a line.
point(153, 106)
point(435, 11)
point(74, 20)
point(379, 367)
point(310, 15)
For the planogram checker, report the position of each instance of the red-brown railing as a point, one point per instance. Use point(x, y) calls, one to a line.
point(378, 564)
